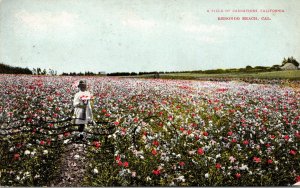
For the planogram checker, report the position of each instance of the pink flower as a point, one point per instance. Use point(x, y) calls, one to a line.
point(245, 142)
point(232, 159)
point(256, 159)
point(42, 142)
point(293, 152)
point(16, 156)
point(237, 175)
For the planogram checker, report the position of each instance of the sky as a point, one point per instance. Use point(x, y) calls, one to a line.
point(146, 35)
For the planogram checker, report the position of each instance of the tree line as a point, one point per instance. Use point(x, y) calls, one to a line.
point(7, 69)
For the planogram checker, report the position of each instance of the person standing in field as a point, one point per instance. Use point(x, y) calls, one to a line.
point(83, 110)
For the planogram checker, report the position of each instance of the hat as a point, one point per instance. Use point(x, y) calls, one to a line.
point(81, 82)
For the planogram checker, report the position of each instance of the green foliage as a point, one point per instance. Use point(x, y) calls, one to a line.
point(7, 69)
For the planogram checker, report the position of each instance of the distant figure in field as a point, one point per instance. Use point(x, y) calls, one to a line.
point(83, 110)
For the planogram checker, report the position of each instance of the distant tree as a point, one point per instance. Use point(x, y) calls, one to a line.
point(290, 60)
point(248, 67)
point(44, 72)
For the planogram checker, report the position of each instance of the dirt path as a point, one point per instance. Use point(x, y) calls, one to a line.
point(73, 167)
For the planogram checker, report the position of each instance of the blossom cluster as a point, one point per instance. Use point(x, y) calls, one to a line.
point(167, 132)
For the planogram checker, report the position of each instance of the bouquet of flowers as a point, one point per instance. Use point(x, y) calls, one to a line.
point(85, 99)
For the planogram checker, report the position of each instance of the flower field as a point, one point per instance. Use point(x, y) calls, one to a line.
point(151, 132)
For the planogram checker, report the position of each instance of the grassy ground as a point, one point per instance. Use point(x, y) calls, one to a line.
point(290, 74)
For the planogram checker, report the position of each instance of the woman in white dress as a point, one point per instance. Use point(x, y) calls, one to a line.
point(83, 110)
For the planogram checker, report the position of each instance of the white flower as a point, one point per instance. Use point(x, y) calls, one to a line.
point(27, 174)
point(206, 175)
point(45, 152)
point(27, 152)
point(181, 178)
point(148, 178)
point(244, 167)
point(66, 141)
point(95, 171)
point(76, 156)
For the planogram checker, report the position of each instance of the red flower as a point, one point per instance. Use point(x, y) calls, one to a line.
point(297, 179)
point(16, 156)
point(256, 159)
point(155, 142)
point(117, 123)
point(270, 161)
point(120, 163)
point(181, 163)
point(97, 144)
point(118, 158)
point(125, 164)
point(293, 152)
point(237, 175)
point(229, 133)
point(48, 141)
point(156, 172)
point(135, 120)
point(234, 140)
point(51, 125)
point(246, 142)
point(200, 151)
point(154, 152)
point(42, 142)
point(297, 134)
point(272, 136)
point(103, 111)
point(286, 137)
point(66, 134)
point(218, 165)
point(205, 133)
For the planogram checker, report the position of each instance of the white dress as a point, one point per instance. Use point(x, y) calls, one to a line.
point(83, 116)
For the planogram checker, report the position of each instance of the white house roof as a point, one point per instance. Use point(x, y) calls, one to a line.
point(289, 66)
